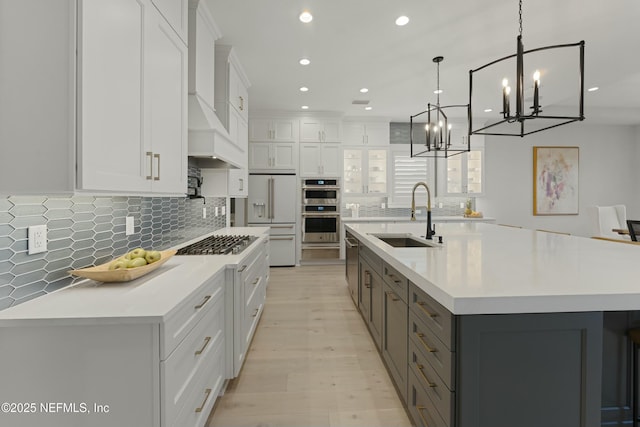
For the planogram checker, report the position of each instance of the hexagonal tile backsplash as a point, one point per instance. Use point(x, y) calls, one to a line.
point(85, 231)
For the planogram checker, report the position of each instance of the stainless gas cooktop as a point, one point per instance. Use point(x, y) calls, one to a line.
point(218, 245)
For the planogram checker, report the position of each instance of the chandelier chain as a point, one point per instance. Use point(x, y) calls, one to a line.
point(438, 84)
point(520, 13)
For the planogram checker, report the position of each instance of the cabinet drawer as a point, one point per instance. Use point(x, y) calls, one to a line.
point(196, 353)
point(437, 391)
point(433, 314)
point(185, 316)
point(374, 260)
point(248, 265)
point(396, 281)
point(202, 396)
point(422, 410)
point(433, 350)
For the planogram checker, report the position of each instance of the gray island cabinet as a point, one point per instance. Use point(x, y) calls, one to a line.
point(465, 348)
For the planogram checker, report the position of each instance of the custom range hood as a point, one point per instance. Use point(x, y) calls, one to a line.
point(209, 140)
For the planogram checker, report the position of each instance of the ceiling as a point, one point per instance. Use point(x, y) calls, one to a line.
point(355, 43)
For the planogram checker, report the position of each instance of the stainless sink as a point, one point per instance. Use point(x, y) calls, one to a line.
point(405, 241)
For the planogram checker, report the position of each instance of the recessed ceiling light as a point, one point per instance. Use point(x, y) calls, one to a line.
point(593, 89)
point(305, 61)
point(364, 90)
point(305, 107)
point(368, 108)
point(402, 20)
point(438, 91)
point(488, 110)
point(304, 89)
point(306, 17)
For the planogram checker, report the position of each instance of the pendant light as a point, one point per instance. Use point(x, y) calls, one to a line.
point(437, 141)
point(521, 121)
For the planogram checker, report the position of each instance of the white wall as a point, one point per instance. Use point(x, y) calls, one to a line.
point(609, 163)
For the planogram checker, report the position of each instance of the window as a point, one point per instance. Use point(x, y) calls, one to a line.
point(406, 171)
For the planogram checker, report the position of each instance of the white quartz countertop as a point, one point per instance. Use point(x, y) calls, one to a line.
point(487, 269)
point(148, 299)
point(434, 219)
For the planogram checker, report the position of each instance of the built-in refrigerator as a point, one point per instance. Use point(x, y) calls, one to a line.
point(272, 203)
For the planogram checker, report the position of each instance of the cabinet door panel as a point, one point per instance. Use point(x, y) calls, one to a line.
point(259, 156)
point(377, 134)
point(309, 160)
point(331, 132)
point(167, 102)
point(284, 130)
point(331, 165)
point(110, 83)
point(260, 130)
point(284, 156)
point(176, 14)
point(353, 171)
point(310, 131)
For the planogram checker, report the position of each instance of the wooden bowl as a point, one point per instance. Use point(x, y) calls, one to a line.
point(101, 273)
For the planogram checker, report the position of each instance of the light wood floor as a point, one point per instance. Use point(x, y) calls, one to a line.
point(312, 361)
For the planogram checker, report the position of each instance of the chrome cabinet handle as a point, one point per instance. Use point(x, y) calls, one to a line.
point(282, 226)
point(206, 299)
point(150, 154)
point(157, 156)
point(421, 305)
point(204, 402)
point(241, 103)
point(256, 313)
point(281, 238)
point(241, 182)
point(255, 282)
point(243, 268)
point(206, 343)
point(395, 279)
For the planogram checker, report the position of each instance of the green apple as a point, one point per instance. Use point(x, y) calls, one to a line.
point(136, 262)
point(137, 253)
point(152, 256)
point(119, 264)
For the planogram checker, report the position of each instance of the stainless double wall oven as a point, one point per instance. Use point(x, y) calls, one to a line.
point(321, 211)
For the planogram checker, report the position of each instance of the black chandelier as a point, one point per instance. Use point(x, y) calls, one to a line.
point(521, 122)
point(435, 141)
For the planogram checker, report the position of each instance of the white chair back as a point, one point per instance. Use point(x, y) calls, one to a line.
point(606, 218)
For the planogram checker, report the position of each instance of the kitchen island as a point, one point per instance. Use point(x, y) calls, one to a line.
point(504, 326)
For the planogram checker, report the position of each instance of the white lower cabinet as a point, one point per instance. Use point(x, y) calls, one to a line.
point(138, 366)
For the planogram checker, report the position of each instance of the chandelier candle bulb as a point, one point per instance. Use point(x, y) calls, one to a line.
point(536, 85)
point(505, 97)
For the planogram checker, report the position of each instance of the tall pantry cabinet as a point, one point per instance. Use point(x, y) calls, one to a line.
point(112, 117)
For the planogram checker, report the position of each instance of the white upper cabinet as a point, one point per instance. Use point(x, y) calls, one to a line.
point(118, 108)
point(319, 130)
point(371, 134)
point(238, 93)
point(269, 156)
point(284, 130)
point(320, 160)
point(231, 94)
point(176, 14)
point(141, 87)
point(203, 34)
point(365, 171)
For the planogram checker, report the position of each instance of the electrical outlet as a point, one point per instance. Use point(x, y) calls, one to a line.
point(216, 212)
point(461, 205)
point(383, 205)
point(418, 211)
point(37, 239)
point(224, 210)
point(204, 212)
point(440, 205)
point(129, 226)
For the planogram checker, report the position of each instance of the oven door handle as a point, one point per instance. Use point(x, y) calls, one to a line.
point(320, 187)
point(327, 215)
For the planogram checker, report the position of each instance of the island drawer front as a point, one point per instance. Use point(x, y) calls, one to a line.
point(188, 314)
point(433, 314)
point(249, 264)
point(437, 391)
point(421, 408)
point(432, 349)
point(202, 397)
point(396, 281)
point(374, 260)
point(196, 353)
